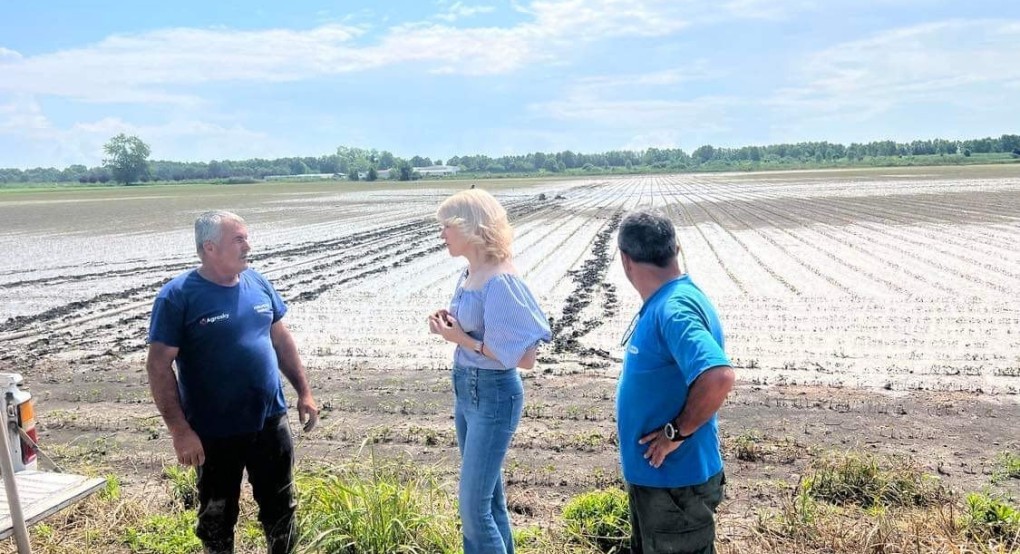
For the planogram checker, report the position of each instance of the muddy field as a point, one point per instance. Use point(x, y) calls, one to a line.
point(873, 310)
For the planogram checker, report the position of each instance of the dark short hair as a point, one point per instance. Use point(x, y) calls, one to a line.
point(648, 238)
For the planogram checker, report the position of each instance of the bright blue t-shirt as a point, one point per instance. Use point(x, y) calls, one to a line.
point(227, 372)
point(677, 337)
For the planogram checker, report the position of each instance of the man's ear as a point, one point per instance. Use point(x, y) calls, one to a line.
point(625, 259)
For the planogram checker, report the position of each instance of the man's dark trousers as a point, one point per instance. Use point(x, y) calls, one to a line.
point(675, 521)
point(268, 455)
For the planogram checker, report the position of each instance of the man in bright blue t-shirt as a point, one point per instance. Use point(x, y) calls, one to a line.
point(222, 325)
point(675, 377)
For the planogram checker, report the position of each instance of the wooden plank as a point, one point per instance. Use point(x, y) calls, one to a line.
point(44, 494)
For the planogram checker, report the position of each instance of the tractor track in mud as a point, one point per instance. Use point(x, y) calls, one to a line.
point(588, 279)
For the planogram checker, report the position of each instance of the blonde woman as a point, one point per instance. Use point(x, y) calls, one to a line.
point(496, 324)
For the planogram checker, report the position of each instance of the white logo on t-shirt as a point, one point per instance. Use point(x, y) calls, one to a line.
point(266, 308)
point(214, 319)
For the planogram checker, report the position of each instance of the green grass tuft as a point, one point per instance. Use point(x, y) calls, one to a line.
point(600, 519)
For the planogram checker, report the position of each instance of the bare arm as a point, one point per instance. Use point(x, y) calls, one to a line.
point(294, 371)
point(705, 397)
point(456, 335)
point(163, 384)
point(529, 359)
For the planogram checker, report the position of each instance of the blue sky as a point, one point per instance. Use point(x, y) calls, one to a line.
point(232, 80)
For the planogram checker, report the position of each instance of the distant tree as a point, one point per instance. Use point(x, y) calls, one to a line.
point(1009, 143)
point(128, 158)
point(353, 174)
point(439, 161)
point(404, 170)
point(329, 164)
point(217, 170)
point(704, 153)
point(386, 160)
point(372, 174)
point(568, 158)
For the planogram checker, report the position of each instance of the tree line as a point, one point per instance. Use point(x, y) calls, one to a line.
point(127, 161)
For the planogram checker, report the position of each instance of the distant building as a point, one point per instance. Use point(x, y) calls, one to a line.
point(305, 177)
point(437, 170)
point(379, 173)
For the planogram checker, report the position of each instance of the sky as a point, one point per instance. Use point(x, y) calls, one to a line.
point(222, 79)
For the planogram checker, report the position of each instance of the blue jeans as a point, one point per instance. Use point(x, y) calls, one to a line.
point(487, 408)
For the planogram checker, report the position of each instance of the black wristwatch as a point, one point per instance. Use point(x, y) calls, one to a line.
point(673, 433)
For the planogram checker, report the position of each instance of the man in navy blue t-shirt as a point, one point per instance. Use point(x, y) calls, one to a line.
point(675, 377)
point(222, 325)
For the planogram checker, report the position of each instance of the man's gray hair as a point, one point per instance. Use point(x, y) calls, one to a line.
point(647, 237)
point(209, 226)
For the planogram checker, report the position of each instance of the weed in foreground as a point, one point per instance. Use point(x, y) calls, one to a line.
point(183, 485)
point(379, 508)
point(1007, 466)
point(599, 519)
point(863, 481)
point(992, 519)
point(164, 534)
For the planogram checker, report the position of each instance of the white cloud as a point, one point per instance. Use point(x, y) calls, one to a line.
point(662, 138)
point(9, 55)
point(944, 62)
point(767, 9)
point(23, 115)
point(700, 70)
point(139, 68)
point(161, 66)
point(644, 104)
point(460, 11)
point(42, 143)
point(704, 113)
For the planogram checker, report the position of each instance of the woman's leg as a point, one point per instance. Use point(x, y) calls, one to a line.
point(494, 401)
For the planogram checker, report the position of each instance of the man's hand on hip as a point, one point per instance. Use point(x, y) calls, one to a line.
point(188, 447)
point(658, 447)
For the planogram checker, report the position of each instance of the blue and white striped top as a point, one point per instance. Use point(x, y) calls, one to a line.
point(504, 315)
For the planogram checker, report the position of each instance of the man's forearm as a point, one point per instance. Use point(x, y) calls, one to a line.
point(706, 396)
point(290, 364)
point(295, 374)
point(163, 385)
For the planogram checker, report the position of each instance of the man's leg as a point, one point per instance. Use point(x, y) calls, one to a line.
point(270, 472)
point(633, 498)
point(676, 521)
point(219, 488)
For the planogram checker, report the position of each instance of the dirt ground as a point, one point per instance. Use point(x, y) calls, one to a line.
point(872, 312)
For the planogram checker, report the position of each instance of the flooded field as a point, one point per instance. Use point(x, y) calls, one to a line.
point(871, 309)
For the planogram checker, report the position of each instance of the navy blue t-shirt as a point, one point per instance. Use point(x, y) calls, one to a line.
point(227, 372)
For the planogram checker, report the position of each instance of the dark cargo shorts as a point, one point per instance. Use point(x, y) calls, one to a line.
point(675, 521)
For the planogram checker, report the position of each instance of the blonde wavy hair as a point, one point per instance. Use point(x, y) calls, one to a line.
point(482, 220)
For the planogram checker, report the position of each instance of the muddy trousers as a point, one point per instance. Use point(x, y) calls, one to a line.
point(268, 455)
point(675, 521)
